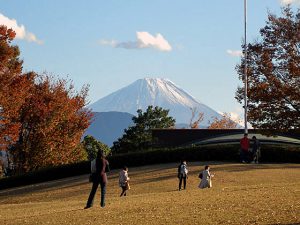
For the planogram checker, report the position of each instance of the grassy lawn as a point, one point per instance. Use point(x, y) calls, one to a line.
point(241, 194)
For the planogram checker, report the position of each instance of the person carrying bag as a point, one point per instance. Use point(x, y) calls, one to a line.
point(99, 167)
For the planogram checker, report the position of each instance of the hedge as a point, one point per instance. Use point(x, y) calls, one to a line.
point(225, 152)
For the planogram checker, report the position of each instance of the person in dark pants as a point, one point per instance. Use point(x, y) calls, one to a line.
point(244, 151)
point(255, 150)
point(124, 181)
point(182, 174)
point(99, 177)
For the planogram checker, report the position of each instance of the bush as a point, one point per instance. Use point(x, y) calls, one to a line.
point(45, 174)
point(280, 154)
point(219, 153)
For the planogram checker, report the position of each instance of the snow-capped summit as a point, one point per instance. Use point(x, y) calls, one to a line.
point(157, 92)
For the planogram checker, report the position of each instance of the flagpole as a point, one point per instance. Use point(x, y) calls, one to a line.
point(245, 68)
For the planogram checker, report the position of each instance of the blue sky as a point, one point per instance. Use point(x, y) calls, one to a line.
point(110, 44)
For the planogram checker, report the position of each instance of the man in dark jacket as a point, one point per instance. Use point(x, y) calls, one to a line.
point(99, 177)
point(182, 174)
point(255, 149)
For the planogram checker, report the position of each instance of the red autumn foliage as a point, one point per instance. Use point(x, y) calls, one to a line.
point(53, 121)
point(42, 119)
point(273, 68)
point(196, 118)
point(13, 88)
point(224, 123)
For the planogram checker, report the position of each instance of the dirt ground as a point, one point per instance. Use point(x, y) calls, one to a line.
point(241, 194)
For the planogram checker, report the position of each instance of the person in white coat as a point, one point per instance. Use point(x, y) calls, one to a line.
point(124, 181)
point(205, 177)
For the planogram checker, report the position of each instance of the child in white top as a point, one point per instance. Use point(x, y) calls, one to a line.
point(124, 181)
point(205, 177)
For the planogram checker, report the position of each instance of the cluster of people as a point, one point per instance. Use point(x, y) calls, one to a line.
point(249, 153)
point(100, 166)
point(205, 176)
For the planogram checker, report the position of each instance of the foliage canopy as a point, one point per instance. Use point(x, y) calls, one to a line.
point(42, 119)
point(223, 123)
point(92, 146)
point(274, 74)
point(139, 136)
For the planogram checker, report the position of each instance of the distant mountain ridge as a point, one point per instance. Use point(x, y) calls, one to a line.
point(157, 92)
point(107, 127)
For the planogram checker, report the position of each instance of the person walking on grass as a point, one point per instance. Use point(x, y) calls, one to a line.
point(244, 151)
point(182, 174)
point(205, 177)
point(98, 177)
point(124, 181)
point(255, 149)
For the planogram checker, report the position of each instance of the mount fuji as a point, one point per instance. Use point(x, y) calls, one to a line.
point(157, 92)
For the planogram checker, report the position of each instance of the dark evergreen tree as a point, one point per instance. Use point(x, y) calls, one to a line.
point(92, 146)
point(139, 137)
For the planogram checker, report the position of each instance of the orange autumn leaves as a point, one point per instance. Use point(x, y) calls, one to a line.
point(12, 86)
point(273, 68)
point(42, 118)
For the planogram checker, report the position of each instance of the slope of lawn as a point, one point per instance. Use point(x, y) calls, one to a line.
point(241, 194)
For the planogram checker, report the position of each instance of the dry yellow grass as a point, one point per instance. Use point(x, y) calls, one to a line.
point(241, 194)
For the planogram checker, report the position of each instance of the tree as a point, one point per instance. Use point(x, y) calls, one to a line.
point(195, 121)
point(274, 74)
point(41, 119)
point(139, 136)
point(92, 146)
point(13, 88)
point(53, 121)
point(223, 123)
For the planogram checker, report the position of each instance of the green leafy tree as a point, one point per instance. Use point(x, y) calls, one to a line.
point(92, 146)
point(274, 74)
point(139, 137)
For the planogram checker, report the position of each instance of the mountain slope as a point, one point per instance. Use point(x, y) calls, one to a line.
point(107, 127)
point(157, 92)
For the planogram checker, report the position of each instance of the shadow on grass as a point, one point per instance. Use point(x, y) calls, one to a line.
point(51, 185)
point(248, 167)
point(156, 179)
point(285, 223)
point(45, 214)
point(83, 179)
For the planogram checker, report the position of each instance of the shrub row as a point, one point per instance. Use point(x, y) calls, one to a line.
point(45, 174)
point(217, 153)
point(280, 154)
point(227, 152)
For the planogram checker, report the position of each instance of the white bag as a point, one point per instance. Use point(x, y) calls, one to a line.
point(93, 166)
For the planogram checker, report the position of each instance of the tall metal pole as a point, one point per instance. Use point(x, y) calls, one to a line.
point(245, 68)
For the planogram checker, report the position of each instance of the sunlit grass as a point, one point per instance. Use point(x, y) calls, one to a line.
point(241, 194)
